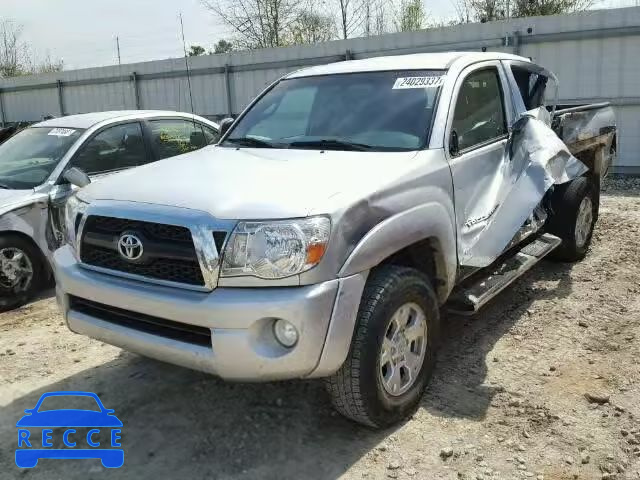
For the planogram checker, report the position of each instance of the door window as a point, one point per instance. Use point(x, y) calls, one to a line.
point(479, 113)
point(531, 85)
point(115, 148)
point(173, 137)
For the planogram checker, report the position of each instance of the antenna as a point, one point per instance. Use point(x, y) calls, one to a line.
point(186, 63)
point(118, 49)
point(124, 98)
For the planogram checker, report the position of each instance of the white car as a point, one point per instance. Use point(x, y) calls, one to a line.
point(33, 188)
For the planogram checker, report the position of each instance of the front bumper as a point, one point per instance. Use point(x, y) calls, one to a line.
point(240, 320)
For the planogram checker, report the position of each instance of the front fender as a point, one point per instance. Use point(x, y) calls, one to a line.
point(28, 218)
point(428, 221)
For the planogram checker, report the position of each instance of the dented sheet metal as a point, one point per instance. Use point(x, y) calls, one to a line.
point(585, 123)
point(535, 159)
point(28, 217)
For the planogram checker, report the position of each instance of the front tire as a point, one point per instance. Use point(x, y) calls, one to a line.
point(575, 210)
point(392, 353)
point(22, 271)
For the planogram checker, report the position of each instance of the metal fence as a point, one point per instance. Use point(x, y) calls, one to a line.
point(595, 55)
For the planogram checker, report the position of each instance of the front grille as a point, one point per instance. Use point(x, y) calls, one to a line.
point(154, 230)
point(169, 252)
point(182, 332)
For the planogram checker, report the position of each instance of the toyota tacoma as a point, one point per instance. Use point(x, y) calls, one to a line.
point(340, 214)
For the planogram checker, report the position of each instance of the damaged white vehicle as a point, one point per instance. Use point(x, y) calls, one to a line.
point(340, 211)
point(35, 165)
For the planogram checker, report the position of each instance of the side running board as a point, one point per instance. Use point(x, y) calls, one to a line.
point(469, 298)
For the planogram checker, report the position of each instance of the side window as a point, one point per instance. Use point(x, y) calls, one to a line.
point(531, 85)
point(479, 112)
point(115, 148)
point(173, 137)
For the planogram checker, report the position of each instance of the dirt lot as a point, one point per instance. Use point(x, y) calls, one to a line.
point(508, 400)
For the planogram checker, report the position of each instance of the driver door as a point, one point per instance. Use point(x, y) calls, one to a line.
point(111, 149)
point(477, 131)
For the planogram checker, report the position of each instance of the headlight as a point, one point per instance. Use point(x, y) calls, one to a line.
point(73, 211)
point(275, 249)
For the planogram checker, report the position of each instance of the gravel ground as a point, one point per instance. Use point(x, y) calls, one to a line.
point(544, 383)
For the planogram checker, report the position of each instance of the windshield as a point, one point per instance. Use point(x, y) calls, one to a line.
point(28, 158)
point(379, 111)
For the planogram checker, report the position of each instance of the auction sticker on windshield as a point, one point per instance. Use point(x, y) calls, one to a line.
point(418, 82)
point(61, 132)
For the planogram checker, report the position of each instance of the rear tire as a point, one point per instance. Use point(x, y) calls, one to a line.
point(389, 363)
point(575, 210)
point(22, 271)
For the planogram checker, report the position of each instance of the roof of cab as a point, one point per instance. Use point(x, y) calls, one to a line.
point(88, 120)
point(423, 61)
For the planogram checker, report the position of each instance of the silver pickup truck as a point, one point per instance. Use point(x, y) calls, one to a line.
point(343, 208)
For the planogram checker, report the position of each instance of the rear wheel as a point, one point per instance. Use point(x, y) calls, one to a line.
point(392, 354)
point(575, 209)
point(21, 271)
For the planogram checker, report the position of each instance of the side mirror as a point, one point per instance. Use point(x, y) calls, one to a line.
point(454, 146)
point(76, 177)
point(225, 123)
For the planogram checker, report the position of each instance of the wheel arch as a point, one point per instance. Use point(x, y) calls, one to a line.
point(422, 237)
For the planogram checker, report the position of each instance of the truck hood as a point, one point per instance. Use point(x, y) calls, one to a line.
point(253, 183)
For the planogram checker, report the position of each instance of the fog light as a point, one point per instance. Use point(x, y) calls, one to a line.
point(285, 333)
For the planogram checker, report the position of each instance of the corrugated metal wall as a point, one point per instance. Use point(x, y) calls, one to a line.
point(595, 55)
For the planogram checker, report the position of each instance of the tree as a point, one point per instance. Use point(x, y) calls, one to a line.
point(47, 65)
point(531, 8)
point(411, 16)
point(375, 17)
point(489, 10)
point(15, 56)
point(12, 50)
point(464, 10)
point(311, 27)
point(350, 16)
point(223, 46)
point(196, 50)
point(380, 19)
point(257, 23)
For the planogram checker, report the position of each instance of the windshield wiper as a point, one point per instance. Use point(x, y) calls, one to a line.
point(332, 143)
point(250, 142)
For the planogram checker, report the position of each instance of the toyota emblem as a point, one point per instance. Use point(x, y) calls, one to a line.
point(130, 247)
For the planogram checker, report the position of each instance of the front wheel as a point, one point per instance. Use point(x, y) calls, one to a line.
point(575, 209)
point(21, 271)
point(392, 353)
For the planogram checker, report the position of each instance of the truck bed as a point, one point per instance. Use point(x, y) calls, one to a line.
point(585, 129)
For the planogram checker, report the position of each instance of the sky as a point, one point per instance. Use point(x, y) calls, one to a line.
point(83, 32)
